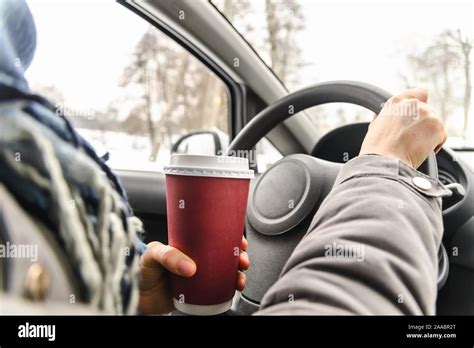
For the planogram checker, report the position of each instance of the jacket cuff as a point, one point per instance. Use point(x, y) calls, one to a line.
point(373, 165)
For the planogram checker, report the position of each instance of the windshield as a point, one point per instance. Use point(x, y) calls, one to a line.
point(393, 45)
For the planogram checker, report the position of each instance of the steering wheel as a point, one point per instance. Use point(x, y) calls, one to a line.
point(284, 199)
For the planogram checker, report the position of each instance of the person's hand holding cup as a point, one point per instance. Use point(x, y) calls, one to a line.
point(156, 266)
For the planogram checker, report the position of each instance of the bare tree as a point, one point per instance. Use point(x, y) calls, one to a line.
point(434, 67)
point(161, 68)
point(440, 66)
point(141, 71)
point(284, 20)
point(178, 92)
point(465, 45)
point(235, 10)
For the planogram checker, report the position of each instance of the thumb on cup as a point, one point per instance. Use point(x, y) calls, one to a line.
point(170, 258)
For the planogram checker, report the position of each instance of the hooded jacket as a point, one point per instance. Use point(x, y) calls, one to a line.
point(17, 42)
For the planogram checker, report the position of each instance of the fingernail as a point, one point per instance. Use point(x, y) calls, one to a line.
point(186, 268)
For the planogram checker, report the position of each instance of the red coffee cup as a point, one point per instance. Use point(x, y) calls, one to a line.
point(206, 200)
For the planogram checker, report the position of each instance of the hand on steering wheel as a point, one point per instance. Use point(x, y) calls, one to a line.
point(405, 129)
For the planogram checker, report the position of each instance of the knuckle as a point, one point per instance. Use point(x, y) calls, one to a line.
point(152, 248)
point(395, 99)
point(166, 255)
point(423, 109)
point(436, 124)
point(154, 245)
point(423, 92)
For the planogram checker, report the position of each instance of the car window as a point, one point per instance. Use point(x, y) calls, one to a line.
point(407, 43)
point(128, 88)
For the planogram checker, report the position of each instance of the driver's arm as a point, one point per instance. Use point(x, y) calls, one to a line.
point(372, 246)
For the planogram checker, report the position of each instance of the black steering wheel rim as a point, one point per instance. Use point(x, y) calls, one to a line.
point(353, 92)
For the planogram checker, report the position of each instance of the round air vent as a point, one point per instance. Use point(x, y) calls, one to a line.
point(445, 177)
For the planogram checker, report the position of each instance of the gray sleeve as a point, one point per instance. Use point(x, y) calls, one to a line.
point(371, 248)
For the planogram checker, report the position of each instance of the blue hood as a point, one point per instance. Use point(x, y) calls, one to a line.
point(17, 42)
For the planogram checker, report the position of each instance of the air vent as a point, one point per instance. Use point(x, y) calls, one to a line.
point(446, 177)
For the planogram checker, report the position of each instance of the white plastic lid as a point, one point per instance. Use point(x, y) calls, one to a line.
point(212, 166)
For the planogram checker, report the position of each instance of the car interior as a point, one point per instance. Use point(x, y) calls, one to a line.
point(261, 107)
